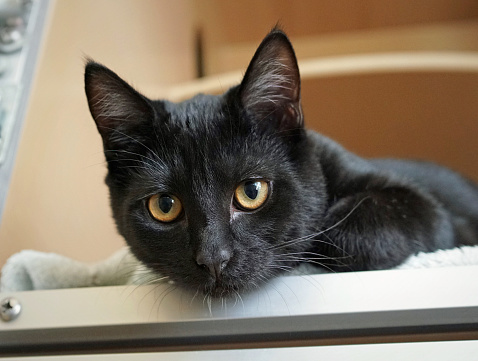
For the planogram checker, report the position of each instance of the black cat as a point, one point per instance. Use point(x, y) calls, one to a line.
point(221, 193)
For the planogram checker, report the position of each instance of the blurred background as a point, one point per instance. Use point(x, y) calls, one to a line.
point(57, 200)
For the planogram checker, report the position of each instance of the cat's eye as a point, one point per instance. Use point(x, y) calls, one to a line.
point(164, 207)
point(251, 194)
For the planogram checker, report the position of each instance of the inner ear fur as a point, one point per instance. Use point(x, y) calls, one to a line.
point(271, 85)
point(113, 103)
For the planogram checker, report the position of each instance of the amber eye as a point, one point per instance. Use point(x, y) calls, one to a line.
point(164, 207)
point(251, 194)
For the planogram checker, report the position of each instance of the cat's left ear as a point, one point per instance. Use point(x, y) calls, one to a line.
point(271, 85)
point(119, 111)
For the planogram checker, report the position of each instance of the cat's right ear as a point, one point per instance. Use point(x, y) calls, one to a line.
point(116, 107)
point(271, 86)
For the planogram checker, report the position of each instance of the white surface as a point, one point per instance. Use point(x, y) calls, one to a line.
point(342, 306)
point(394, 290)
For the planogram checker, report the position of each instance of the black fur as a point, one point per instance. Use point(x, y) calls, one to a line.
point(326, 205)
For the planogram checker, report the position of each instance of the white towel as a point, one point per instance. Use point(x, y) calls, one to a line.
point(33, 270)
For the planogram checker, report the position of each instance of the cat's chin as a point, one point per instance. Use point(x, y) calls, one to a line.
point(220, 289)
point(217, 289)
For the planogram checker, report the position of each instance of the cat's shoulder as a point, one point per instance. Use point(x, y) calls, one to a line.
point(333, 155)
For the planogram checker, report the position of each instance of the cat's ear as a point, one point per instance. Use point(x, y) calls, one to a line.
point(271, 85)
point(118, 110)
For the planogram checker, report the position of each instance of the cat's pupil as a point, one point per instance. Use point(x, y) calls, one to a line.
point(251, 189)
point(165, 203)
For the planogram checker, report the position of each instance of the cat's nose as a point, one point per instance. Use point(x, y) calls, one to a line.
point(214, 263)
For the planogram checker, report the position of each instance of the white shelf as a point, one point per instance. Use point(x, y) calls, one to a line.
point(342, 308)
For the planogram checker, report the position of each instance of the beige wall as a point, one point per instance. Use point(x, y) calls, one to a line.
point(57, 200)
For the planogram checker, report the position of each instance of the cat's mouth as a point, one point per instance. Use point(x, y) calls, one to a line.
point(218, 288)
point(219, 292)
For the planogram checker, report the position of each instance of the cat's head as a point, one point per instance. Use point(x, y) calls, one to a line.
point(217, 193)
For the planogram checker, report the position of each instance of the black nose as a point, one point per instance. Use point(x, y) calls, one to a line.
point(215, 262)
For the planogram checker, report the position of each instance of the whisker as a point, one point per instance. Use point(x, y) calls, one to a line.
point(115, 130)
point(309, 237)
point(154, 161)
point(313, 254)
point(194, 296)
point(238, 296)
point(307, 277)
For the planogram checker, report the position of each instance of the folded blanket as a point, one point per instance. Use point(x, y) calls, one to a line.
point(33, 270)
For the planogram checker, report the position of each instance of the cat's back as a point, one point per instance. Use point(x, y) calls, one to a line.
point(458, 194)
point(444, 183)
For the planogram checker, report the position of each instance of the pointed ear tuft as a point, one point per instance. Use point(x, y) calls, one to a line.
point(115, 106)
point(271, 85)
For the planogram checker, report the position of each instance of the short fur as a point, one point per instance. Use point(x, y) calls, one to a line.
point(326, 206)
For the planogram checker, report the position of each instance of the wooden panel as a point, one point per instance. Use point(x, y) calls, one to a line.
point(452, 36)
point(246, 20)
point(225, 24)
point(430, 116)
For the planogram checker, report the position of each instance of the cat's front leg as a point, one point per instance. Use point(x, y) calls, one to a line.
point(379, 229)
